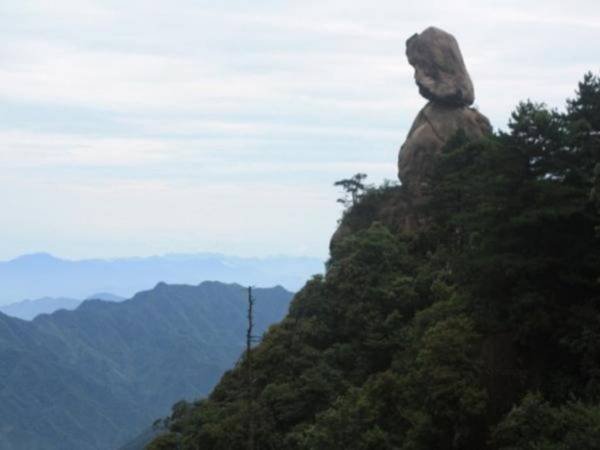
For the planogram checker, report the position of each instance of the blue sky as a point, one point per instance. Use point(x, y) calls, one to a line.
point(145, 127)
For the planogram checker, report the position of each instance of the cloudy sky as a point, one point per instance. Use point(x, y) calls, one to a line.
point(141, 127)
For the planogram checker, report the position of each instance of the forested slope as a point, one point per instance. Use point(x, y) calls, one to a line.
point(465, 318)
point(96, 377)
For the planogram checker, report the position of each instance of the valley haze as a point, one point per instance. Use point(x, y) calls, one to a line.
point(43, 275)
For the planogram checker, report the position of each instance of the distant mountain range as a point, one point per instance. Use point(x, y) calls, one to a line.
point(29, 309)
point(43, 275)
point(96, 377)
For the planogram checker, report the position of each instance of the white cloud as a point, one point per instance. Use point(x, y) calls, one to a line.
point(25, 149)
point(208, 107)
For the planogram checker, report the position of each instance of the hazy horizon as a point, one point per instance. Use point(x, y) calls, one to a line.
point(39, 275)
point(157, 255)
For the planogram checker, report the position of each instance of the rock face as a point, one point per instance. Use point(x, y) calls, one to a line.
point(440, 71)
point(442, 78)
point(434, 126)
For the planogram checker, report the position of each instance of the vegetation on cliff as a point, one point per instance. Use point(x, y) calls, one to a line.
point(473, 322)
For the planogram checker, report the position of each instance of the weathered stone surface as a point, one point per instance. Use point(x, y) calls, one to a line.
point(440, 71)
point(434, 126)
point(441, 76)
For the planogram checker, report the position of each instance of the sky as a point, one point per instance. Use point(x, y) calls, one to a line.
point(147, 127)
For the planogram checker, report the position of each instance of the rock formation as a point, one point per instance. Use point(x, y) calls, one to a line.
point(440, 71)
point(443, 79)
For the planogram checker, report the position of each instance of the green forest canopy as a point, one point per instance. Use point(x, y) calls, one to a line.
point(479, 329)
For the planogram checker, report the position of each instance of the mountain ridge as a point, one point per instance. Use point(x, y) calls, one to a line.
point(28, 309)
point(94, 377)
point(56, 277)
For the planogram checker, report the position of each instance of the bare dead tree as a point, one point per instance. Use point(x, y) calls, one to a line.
point(250, 381)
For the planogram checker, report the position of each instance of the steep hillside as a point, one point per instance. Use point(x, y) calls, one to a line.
point(460, 310)
point(95, 377)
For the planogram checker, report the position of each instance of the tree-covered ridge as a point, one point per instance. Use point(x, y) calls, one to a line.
point(467, 320)
point(93, 378)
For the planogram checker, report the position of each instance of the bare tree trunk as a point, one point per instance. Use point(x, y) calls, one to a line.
point(249, 375)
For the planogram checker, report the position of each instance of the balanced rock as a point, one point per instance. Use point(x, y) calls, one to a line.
point(442, 77)
point(434, 126)
point(440, 71)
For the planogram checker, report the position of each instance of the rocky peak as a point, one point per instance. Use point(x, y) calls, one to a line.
point(440, 71)
point(442, 78)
